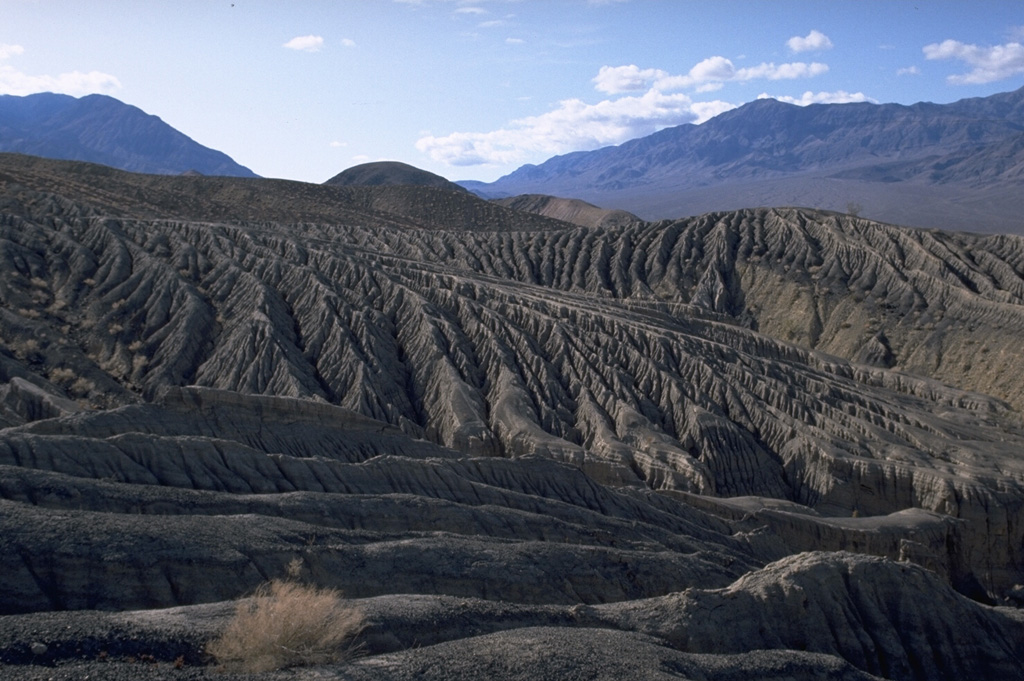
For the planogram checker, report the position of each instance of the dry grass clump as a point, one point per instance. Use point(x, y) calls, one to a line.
point(287, 624)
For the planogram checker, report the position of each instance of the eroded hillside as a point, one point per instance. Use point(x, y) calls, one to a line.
point(550, 417)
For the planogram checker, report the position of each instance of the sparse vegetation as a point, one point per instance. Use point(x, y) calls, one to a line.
point(139, 362)
point(287, 624)
point(62, 375)
point(25, 349)
point(81, 386)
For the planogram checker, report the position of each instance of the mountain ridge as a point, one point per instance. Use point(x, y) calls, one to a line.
point(102, 129)
point(771, 142)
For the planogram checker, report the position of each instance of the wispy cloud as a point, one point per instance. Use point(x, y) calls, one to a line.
point(76, 83)
point(305, 43)
point(514, 41)
point(987, 64)
point(348, 42)
point(705, 76)
point(837, 97)
point(641, 101)
point(908, 71)
point(814, 41)
point(717, 70)
point(470, 10)
point(10, 50)
point(613, 80)
point(573, 125)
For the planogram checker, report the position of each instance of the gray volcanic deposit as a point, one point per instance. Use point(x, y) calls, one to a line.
point(527, 440)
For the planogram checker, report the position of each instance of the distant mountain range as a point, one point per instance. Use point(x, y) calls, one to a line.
point(101, 129)
point(956, 166)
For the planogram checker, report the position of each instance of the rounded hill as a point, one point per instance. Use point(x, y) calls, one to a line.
point(390, 173)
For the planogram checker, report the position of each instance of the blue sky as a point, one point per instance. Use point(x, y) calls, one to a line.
point(473, 89)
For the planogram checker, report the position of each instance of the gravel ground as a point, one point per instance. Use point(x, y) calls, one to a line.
point(525, 654)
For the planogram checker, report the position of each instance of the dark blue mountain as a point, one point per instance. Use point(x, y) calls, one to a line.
point(101, 129)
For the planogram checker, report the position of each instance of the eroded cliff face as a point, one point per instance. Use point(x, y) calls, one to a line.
point(551, 416)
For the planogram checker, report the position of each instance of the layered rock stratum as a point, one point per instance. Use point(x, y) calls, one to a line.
point(772, 443)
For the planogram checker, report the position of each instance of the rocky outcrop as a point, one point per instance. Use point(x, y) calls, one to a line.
point(890, 620)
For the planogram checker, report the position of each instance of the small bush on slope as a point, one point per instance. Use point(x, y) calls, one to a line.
point(287, 624)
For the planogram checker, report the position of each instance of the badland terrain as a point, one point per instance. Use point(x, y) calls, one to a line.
point(528, 438)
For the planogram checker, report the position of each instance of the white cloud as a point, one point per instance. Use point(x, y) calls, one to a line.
point(614, 80)
point(471, 10)
point(812, 42)
point(348, 42)
point(709, 87)
point(305, 43)
point(14, 82)
point(720, 70)
point(76, 83)
point(10, 50)
point(514, 41)
point(572, 126)
point(908, 71)
point(337, 145)
point(707, 110)
point(988, 63)
point(789, 71)
point(837, 97)
point(650, 102)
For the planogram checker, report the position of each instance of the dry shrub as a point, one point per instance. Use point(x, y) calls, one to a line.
point(62, 375)
point(82, 386)
point(287, 624)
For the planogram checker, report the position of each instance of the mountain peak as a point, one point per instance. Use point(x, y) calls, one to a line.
point(102, 129)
